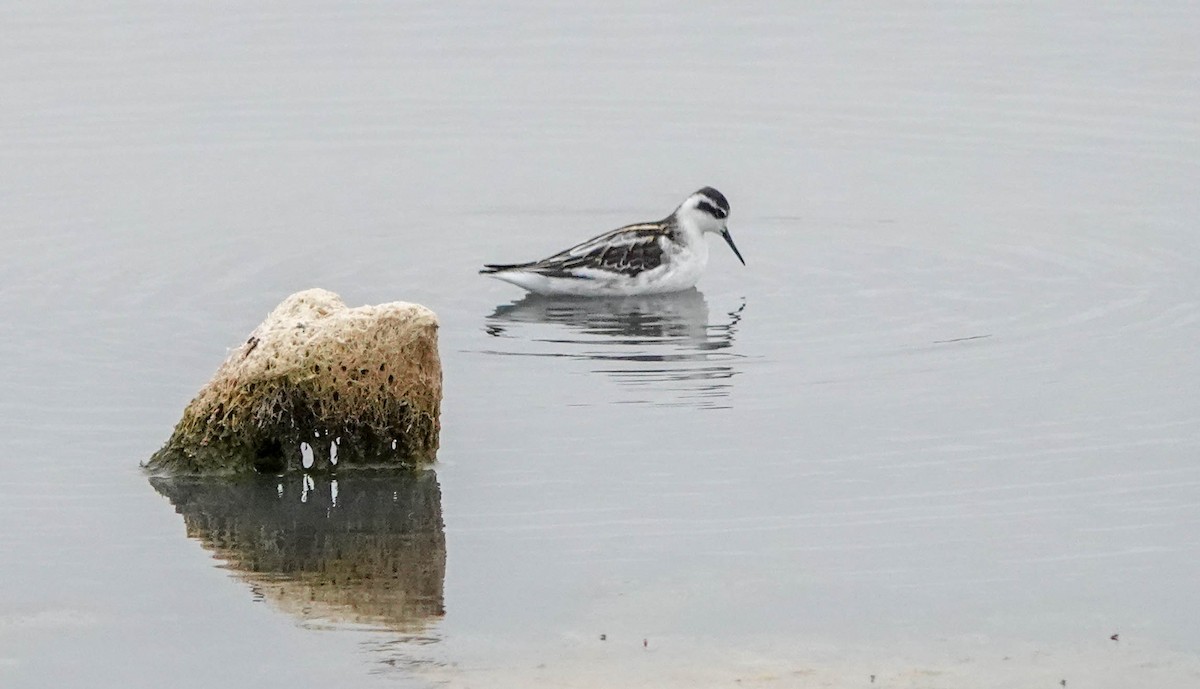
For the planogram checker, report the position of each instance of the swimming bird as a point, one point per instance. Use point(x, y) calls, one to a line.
point(647, 258)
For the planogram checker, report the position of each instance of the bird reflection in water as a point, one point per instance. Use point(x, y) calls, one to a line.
point(664, 345)
point(366, 547)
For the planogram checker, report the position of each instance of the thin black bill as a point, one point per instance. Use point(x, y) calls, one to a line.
point(729, 240)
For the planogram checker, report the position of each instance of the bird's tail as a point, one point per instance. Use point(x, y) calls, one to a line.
point(490, 268)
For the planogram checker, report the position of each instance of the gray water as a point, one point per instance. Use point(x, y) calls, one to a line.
point(942, 429)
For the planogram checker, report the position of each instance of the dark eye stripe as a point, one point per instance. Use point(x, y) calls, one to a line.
point(711, 209)
point(715, 197)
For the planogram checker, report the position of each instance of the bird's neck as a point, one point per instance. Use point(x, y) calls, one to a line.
point(691, 241)
point(689, 233)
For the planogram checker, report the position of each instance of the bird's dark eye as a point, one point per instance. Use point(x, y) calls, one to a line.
point(712, 210)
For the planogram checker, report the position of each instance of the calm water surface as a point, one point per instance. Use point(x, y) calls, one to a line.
point(943, 429)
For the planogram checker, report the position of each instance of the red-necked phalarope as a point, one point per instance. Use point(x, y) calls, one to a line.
point(647, 258)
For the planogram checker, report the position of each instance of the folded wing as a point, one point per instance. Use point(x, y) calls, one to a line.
point(626, 251)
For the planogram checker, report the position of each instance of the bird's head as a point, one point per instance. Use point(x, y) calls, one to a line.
point(708, 211)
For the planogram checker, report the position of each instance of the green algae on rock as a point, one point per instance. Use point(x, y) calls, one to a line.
point(359, 386)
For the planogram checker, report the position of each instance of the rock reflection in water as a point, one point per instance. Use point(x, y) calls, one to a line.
point(365, 547)
point(666, 345)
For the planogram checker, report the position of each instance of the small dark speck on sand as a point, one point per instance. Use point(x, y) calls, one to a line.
point(961, 339)
point(603, 637)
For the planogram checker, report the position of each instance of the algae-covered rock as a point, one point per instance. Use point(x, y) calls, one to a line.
point(358, 385)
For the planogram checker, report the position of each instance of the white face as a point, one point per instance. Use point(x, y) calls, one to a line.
point(708, 211)
point(701, 212)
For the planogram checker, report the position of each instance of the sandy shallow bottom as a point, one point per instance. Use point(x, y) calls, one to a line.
point(977, 663)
